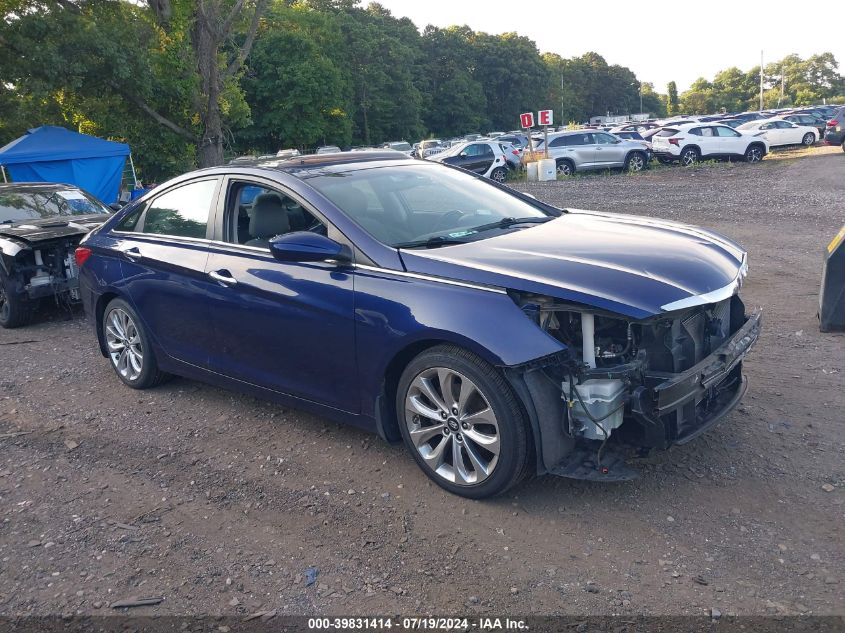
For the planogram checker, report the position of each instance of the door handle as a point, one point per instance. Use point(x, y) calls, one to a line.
point(223, 279)
point(133, 254)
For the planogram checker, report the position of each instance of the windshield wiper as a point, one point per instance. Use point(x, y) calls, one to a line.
point(431, 242)
point(508, 222)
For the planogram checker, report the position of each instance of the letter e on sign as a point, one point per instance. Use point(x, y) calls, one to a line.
point(545, 117)
point(526, 119)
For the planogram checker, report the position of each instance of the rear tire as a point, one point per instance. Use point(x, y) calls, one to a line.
point(128, 347)
point(565, 167)
point(500, 175)
point(14, 310)
point(689, 157)
point(462, 423)
point(809, 139)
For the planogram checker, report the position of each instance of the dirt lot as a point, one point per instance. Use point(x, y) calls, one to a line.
point(219, 503)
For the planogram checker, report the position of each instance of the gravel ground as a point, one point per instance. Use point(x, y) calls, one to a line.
point(219, 503)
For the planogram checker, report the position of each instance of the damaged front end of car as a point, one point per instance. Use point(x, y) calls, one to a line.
point(649, 383)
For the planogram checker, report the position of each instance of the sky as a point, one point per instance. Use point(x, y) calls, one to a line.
point(659, 40)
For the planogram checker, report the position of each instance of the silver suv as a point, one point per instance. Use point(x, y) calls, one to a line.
point(583, 150)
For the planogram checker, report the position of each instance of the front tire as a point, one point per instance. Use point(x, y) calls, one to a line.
point(14, 310)
point(462, 423)
point(500, 175)
point(128, 347)
point(689, 157)
point(635, 162)
point(809, 139)
point(754, 154)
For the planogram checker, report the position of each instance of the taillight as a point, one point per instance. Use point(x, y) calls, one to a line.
point(833, 123)
point(675, 141)
point(515, 153)
point(81, 255)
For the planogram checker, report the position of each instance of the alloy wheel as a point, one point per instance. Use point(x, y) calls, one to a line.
point(124, 344)
point(636, 163)
point(499, 175)
point(809, 139)
point(754, 155)
point(689, 158)
point(452, 425)
point(564, 169)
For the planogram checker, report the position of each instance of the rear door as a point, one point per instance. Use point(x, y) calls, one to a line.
point(163, 250)
point(285, 326)
point(579, 148)
point(731, 142)
point(706, 139)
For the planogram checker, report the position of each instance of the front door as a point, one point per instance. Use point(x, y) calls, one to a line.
point(610, 151)
point(285, 326)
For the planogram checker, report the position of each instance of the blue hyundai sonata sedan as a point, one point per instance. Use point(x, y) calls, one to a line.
point(497, 336)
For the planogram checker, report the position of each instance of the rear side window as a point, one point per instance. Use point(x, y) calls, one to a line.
point(667, 132)
point(182, 212)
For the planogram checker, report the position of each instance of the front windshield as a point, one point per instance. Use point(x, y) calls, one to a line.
point(424, 204)
point(40, 205)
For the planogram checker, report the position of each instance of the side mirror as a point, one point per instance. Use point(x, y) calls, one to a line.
point(304, 246)
point(463, 154)
point(116, 206)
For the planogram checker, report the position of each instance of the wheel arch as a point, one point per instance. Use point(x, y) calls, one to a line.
point(99, 312)
point(565, 159)
point(387, 423)
point(759, 144)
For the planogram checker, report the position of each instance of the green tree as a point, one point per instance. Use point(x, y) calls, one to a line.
point(171, 61)
point(454, 101)
point(297, 94)
point(672, 103)
point(699, 98)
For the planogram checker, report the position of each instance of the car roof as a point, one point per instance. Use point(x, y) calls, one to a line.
point(35, 187)
point(317, 164)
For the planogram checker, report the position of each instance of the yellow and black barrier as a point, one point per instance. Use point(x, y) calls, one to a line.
point(832, 294)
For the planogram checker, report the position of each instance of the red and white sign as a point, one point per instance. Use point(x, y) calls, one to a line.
point(545, 117)
point(526, 119)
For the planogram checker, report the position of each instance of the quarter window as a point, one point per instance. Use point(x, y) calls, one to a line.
point(182, 212)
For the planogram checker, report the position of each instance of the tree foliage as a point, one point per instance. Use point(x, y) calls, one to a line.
point(183, 80)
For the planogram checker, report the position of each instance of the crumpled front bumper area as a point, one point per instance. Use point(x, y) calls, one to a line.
point(661, 409)
point(675, 408)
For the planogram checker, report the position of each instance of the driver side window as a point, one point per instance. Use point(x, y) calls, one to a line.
point(257, 214)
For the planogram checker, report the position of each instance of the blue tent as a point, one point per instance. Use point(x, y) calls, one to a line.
point(54, 154)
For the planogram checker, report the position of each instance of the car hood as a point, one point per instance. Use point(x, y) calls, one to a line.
point(638, 267)
point(32, 231)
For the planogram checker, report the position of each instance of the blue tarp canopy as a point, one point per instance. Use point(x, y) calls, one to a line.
point(54, 154)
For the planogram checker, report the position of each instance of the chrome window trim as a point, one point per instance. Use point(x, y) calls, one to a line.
point(714, 296)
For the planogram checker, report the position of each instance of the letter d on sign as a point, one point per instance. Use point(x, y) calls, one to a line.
point(526, 119)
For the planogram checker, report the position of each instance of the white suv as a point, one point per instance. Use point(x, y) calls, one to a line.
point(691, 142)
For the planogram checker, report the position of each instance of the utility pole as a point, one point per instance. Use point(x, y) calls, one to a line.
point(782, 83)
point(561, 94)
point(641, 97)
point(761, 80)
